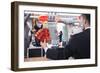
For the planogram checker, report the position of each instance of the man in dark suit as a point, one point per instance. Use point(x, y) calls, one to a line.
point(78, 46)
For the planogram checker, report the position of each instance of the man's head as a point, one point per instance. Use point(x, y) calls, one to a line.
point(85, 20)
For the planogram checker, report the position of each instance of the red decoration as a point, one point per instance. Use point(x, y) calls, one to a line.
point(43, 34)
point(43, 18)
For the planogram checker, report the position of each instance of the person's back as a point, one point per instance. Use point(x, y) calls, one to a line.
point(79, 45)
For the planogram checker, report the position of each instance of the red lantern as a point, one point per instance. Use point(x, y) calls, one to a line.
point(43, 18)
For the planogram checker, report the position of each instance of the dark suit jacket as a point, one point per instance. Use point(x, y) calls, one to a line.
point(78, 47)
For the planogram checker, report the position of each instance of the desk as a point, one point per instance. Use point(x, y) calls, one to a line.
point(29, 59)
point(38, 50)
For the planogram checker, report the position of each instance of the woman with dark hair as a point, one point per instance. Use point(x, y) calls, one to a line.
point(37, 26)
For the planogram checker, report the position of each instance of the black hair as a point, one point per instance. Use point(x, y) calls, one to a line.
point(87, 17)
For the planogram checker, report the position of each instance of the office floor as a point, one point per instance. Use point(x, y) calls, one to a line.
point(36, 59)
point(41, 59)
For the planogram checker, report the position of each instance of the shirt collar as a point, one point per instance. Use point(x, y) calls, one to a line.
point(87, 28)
